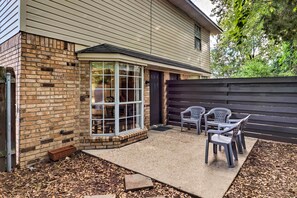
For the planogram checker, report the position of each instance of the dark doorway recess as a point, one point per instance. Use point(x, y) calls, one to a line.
point(156, 86)
point(174, 76)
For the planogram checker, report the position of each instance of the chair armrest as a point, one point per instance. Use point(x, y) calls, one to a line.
point(214, 131)
point(183, 112)
point(234, 121)
point(224, 126)
point(227, 127)
point(206, 115)
point(228, 118)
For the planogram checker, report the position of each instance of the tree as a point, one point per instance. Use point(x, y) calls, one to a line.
point(246, 42)
point(254, 68)
point(280, 23)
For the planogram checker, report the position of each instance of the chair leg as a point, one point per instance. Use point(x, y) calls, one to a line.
point(239, 146)
point(198, 128)
point(226, 148)
point(189, 126)
point(215, 148)
point(205, 129)
point(231, 164)
point(243, 141)
point(181, 126)
point(206, 151)
point(234, 150)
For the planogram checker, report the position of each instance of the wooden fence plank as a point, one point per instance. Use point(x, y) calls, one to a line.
point(273, 80)
point(275, 99)
point(261, 119)
point(252, 109)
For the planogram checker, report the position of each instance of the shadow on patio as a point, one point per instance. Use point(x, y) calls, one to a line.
point(177, 158)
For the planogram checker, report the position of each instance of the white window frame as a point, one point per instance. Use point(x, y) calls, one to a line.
point(197, 35)
point(117, 102)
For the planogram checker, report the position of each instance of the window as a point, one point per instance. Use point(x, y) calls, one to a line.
point(116, 97)
point(197, 37)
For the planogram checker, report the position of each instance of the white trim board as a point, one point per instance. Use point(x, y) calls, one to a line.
point(129, 59)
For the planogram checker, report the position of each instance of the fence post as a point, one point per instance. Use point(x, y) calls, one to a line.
point(8, 121)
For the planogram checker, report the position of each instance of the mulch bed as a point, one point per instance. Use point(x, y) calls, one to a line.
point(77, 176)
point(269, 171)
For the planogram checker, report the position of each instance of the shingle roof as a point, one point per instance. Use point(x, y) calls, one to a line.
point(107, 48)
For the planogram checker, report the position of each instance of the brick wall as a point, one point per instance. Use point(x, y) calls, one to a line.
point(166, 76)
point(84, 121)
point(49, 97)
point(53, 98)
point(146, 99)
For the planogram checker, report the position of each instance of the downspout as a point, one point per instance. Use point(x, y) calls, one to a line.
point(151, 26)
point(8, 121)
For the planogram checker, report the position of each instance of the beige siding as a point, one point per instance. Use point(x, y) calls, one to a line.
point(9, 19)
point(150, 26)
point(173, 36)
point(123, 23)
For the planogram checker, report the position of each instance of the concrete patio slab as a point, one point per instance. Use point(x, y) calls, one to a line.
point(177, 158)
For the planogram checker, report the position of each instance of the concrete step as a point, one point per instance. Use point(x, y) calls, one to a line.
point(137, 181)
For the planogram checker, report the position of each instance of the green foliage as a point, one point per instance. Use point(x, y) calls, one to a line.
point(254, 68)
point(256, 34)
point(280, 23)
point(286, 61)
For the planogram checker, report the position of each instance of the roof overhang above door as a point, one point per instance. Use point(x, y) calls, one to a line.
point(107, 52)
point(132, 60)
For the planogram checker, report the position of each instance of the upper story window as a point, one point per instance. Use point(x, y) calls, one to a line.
point(197, 37)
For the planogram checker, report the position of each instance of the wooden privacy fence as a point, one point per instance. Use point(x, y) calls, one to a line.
point(271, 101)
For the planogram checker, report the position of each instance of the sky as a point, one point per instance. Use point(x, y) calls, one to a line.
point(206, 6)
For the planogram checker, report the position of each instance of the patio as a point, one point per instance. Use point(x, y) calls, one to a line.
point(177, 158)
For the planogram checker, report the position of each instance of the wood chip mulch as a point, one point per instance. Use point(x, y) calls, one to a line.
point(269, 171)
point(77, 176)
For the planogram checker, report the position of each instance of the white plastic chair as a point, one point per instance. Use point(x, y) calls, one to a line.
point(220, 115)
point(195, 117)
point(240, 140)
point(217, 137)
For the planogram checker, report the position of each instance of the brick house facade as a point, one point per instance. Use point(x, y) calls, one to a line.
point(55, 96)
point(53, 89)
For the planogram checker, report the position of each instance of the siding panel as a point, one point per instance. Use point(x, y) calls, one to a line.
point(173, 36)
point(9, 19)
point(164, 31)
point(92, 22)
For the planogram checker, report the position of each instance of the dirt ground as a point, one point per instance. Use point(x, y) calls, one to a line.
point(269, 171)
point(77, 176)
